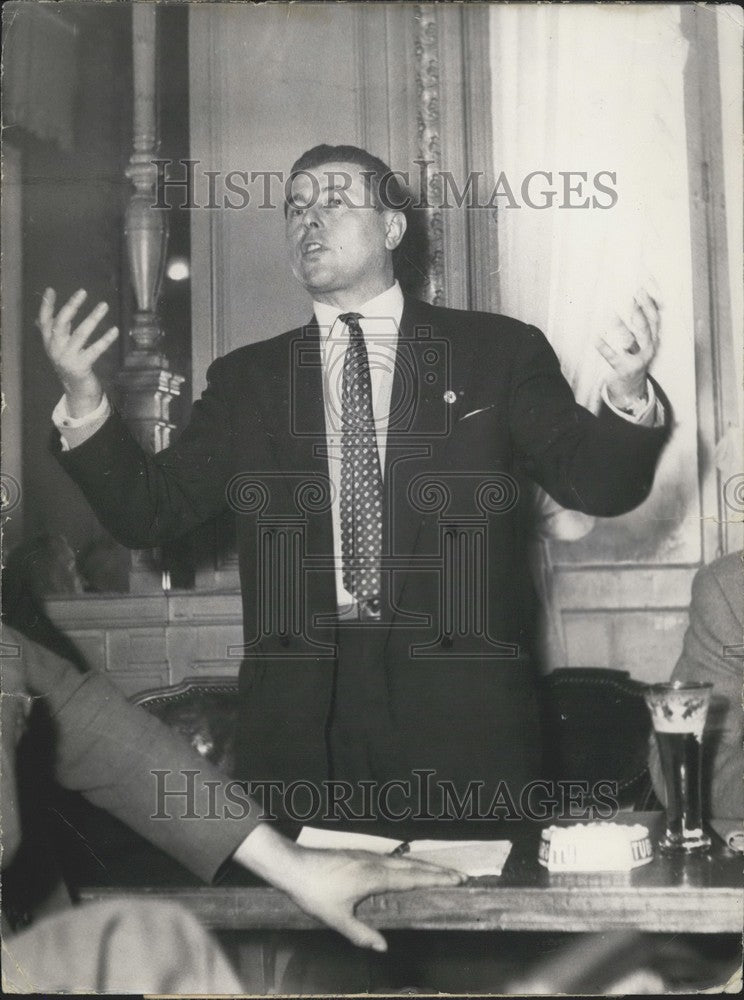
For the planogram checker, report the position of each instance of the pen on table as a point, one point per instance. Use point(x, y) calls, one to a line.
point(401, 849)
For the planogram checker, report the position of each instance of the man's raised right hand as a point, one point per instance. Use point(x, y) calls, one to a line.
point(66, 347)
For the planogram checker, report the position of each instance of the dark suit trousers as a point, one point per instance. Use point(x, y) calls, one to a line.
point(360, 731)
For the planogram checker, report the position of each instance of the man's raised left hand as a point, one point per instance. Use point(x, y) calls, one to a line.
point(629, 349)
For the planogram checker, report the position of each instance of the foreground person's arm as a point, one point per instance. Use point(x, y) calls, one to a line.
point(127, 762)
point(108, 749)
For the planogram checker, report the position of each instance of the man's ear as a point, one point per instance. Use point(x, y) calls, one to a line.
point(395, 228)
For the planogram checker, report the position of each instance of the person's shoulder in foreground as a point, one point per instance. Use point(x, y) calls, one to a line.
point(723, 577)
point(713, 652)
point(713, 644)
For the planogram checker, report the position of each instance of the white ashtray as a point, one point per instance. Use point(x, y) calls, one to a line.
point(595, 847)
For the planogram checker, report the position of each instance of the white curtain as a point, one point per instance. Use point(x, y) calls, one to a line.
point(592, 89)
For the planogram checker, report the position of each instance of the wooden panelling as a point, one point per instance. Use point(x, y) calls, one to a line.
point(150, 641)
point(626, 617)
point(267, 83)
point(629, 587)
point(139, 680)
point(645, 643)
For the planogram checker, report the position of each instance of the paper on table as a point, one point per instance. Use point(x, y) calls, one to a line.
point(472, 857)
point(310, 836)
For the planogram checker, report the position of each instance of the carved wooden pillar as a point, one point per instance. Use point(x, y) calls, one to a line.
point(146, 383)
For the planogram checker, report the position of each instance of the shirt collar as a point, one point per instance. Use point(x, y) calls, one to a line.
point(388, 304)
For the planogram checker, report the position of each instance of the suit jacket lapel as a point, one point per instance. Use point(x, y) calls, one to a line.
point(294, 417)
point(427, 397)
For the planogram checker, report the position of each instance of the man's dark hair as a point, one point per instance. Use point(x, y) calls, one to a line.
point(387, 191)
point(384, 185)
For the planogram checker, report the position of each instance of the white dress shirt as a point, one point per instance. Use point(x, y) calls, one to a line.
point(380, 325)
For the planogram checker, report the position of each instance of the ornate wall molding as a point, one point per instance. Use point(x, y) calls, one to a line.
point(428, 122)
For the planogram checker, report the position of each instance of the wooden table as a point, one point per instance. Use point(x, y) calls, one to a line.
point(669, 895)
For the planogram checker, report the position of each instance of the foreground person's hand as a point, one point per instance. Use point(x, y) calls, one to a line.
point(328, 884)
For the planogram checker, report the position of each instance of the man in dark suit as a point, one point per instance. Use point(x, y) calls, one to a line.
point(377, 460)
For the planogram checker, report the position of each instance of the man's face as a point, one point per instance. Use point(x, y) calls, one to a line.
point(340, 245)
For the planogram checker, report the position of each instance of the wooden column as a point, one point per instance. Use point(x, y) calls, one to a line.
point(146, 383)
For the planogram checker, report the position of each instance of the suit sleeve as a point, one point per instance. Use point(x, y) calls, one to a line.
point(107, 749)
point(143, 499)
point(600, 465)
point(715, 633)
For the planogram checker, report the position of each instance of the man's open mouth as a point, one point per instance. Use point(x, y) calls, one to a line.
point(311, 247)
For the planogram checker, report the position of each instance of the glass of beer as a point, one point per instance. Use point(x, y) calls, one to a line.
point(678, 711)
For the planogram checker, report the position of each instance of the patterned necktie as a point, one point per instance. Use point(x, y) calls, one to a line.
point(361, 479)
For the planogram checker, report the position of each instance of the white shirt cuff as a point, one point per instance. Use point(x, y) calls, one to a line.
point(74, 430)
point(649, 414)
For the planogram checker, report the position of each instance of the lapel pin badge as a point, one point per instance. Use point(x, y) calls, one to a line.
point(450, 396)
